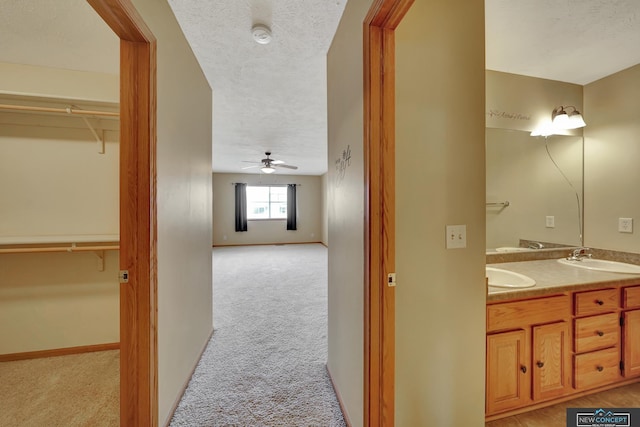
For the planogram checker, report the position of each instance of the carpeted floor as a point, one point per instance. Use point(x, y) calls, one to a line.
point(80, 390)
point(265, 364)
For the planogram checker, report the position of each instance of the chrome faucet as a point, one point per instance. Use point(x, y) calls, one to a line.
point(535, 245)
point(579, 254)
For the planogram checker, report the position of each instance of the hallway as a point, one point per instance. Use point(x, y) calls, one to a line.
point(265, 364)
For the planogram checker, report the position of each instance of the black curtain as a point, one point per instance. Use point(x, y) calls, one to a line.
point(291, 207)
point(241, 207)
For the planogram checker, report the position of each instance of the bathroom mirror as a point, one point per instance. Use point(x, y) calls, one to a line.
point(534, 190)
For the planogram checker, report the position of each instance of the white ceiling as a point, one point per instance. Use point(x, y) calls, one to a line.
point(576, 41)
point(273, 97)
point(266, 97)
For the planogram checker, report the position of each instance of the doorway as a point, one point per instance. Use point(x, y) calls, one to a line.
point(138, 241)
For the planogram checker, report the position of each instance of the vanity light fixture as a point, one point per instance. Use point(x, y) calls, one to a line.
point(268, 169)
point(567, 117)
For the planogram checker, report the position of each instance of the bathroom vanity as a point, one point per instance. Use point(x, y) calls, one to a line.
point(576, 332)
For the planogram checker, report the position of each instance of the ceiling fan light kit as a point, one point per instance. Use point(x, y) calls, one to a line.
point(269, 165)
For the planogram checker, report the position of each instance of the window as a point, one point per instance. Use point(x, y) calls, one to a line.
point(266, 202)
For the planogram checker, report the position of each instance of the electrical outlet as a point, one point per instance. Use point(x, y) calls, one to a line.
point(456, 236)
point(550, 221)
point(625, 225)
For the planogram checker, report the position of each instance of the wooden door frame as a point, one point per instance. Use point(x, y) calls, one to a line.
point(379, 158)
point(138, 225)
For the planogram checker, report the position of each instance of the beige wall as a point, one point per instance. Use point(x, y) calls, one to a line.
point(59, 186)
point(524, 103)
point(184, 205)
point(272, 231)
point(56, 188)
point(324, 229)
point(20, 79)
point(440, 298)
point(345, 207)
point(520, 171)
point(612, 154)
point(57, 300)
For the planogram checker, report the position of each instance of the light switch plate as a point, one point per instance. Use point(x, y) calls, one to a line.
point(625, 225)
point(456, 236)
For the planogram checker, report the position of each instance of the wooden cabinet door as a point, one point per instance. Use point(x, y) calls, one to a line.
point(631, 343)
point(551, 367)
point(508, 371)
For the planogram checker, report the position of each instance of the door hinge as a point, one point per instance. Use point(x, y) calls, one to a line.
point(391, 279)
point(621, 320)
point(123, 276)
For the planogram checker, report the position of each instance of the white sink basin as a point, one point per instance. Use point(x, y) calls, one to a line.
point(500, 278)
point(603, 265)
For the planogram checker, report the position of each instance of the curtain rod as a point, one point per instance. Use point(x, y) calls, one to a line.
point(234, 183)
point(67, 110)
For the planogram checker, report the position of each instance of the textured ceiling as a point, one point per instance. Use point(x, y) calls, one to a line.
point(273, 97)
point(266, 97)
point(576, 41)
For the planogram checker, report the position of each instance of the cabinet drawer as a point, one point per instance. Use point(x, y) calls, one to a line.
point(595, 302)
point(632, 297)
point(596, 332)
point(515, 315)
point(596, 368)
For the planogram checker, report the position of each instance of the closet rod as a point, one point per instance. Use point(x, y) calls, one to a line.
point(67, 110)
point(60, 249)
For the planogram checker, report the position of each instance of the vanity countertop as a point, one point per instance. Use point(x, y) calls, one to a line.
point(552, 277)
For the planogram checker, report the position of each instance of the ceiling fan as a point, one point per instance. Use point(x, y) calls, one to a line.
point(268, 164)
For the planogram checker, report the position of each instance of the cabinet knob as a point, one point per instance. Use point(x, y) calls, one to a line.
point(599, 302)
point(600, 368)
point(523, 369)
point(540, 364)
point(600, 333)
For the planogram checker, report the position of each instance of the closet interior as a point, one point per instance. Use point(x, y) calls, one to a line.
point(59, 260)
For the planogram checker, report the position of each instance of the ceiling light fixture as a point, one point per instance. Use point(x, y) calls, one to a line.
point(261, 34)
point(567, 117)
point(268, 169)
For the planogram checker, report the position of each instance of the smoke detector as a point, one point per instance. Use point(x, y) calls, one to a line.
point(261, 34)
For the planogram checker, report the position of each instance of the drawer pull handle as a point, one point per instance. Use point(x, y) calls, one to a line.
point(599, 302)
point(599, 368)
point(523, 369)
point(600, 333)
point(540, 364)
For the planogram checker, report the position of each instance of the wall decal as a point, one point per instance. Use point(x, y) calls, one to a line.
point(508, 115)
point(342, 163)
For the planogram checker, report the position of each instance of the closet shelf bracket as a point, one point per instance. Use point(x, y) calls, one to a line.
point(100, 255)
point(99, 139)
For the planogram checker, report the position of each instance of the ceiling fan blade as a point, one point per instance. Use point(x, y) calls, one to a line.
point(249, 161)
point(286, 166)
point(250, 167)
point(277, 162)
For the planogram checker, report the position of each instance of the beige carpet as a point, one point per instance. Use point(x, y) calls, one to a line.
point(265, 365)
point(75, 390)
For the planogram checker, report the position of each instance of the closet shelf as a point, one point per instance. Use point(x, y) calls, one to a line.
point(98, 249)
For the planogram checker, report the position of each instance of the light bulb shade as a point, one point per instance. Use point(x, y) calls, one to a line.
point(559, 118)
point(576, 121)
point(562, 119)
point(268, 169)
